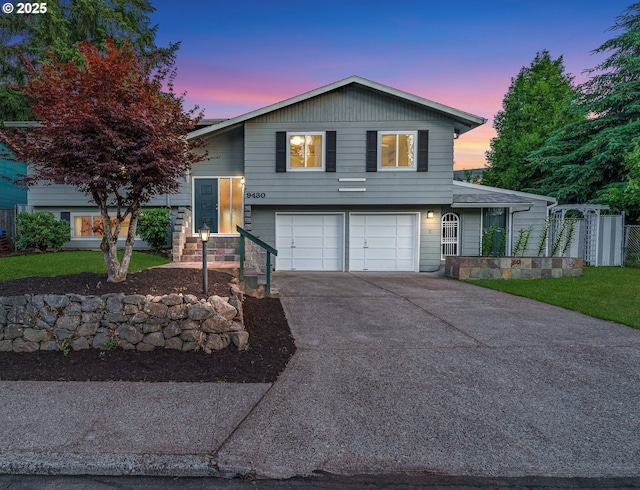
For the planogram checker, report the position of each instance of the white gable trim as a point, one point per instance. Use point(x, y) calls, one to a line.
point(469, 121)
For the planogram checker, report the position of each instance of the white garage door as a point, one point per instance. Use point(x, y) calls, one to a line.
point(309, 242)
point(383, 242)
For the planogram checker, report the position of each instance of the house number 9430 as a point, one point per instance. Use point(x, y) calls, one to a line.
point(255, 195)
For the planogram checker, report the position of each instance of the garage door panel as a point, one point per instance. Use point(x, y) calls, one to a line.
point(383, 242)
point(309, 242)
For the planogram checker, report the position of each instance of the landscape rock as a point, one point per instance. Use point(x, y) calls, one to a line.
point(100, 340)
point(68, 322)
point(172, 299)
point(81, 343)
point(217, 341)
point(56, 300)
point(216, 324)
point(223, 308)
point(130, 334)
point(93, 303)
point(6, 345)
point(13, 331)
point(173, 343)
point(157, 310)
point(200, 311)
point(240, 339)
point(174, 321)
point(155, 338)
point(73, 308)
point(36, 335)
point(145, 347)
point(49, 345)
point(20, 345)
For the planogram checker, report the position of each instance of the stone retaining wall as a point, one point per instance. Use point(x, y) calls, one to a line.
point(70, 321)
point(512, 267)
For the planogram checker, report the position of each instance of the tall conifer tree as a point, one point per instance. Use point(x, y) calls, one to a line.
point(59, 30)
point(586, 159)
point(535, 105)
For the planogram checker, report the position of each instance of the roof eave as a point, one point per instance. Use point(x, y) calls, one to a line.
point(465, 120)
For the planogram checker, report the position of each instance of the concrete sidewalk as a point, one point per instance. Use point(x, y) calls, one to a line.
point(394, 373)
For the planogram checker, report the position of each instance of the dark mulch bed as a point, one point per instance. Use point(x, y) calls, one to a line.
point(270, 342)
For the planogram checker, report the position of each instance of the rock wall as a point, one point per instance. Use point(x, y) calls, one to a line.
point(70, 321)
point(512, 267)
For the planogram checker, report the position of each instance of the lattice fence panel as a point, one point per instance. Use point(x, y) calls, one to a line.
point(632, 246)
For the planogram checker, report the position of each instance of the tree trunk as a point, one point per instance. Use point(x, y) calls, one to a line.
point(117, 269)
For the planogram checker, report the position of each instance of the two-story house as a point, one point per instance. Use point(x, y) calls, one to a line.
point(352, 176)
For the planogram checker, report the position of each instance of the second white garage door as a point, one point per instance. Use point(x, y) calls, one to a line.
point(383, 242)
point(309, 242)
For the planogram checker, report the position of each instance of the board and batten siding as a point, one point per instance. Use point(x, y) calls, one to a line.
point(263, 223)
point(351, 112)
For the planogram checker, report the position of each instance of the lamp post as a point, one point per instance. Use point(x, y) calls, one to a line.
point(204, 236)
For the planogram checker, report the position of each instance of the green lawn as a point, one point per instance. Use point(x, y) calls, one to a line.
point(610, 293)
point(61, 263)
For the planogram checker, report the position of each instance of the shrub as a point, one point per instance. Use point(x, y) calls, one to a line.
point(153, 225)
point(524, 234)
point(42, 231)
point(494, 241)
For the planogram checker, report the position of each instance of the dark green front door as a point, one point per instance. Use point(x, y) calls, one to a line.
point(206, 204)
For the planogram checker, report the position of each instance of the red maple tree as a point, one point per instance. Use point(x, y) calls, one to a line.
point(113, 130)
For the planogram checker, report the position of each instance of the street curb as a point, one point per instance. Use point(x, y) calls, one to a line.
point(106, 464)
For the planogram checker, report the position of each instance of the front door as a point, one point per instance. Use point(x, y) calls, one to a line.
point(206, 204)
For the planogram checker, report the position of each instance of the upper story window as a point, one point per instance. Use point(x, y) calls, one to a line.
point(397, 150)
point(306, 151)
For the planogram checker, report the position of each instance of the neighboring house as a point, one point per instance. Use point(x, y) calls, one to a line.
point(351, 176)
point(10, 170)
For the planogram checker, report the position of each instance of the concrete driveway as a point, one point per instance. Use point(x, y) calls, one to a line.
point(394, 373)
point(415, 373)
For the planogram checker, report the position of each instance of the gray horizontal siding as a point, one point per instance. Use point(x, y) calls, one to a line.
point(225, 155)
point(66, 195)
point(263, 226)
point(88, 243)
point(535, 218)
point(350, 111)
point(470, 222)
point(316, 187)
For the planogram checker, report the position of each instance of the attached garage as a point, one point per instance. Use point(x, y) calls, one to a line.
point(310, 242)
point(383, 242)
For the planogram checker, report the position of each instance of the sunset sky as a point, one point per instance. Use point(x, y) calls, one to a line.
point(237, 56)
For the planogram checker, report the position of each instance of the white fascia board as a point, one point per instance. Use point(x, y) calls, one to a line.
point(469, 120)
point(476, 205)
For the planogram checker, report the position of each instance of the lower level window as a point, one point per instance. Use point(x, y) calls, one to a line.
point(92, 226)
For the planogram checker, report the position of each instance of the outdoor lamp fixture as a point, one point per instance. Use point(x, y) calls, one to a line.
point(429, 214)
point(205, 231)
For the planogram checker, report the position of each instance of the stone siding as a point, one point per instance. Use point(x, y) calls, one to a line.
point(512, 267)
point(70, 321)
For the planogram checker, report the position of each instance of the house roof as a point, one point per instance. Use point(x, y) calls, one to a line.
point(464, 120)
point(488, 197)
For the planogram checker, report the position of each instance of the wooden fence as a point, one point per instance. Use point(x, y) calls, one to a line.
point(8, 221)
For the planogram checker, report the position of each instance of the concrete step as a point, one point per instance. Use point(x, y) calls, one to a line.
point(197, 257)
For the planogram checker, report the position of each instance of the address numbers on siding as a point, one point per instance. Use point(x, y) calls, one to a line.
point(256, 195)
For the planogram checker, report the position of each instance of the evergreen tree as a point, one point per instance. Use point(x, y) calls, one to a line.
point(585, 160)
point(535, 106)
point(58, 31)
